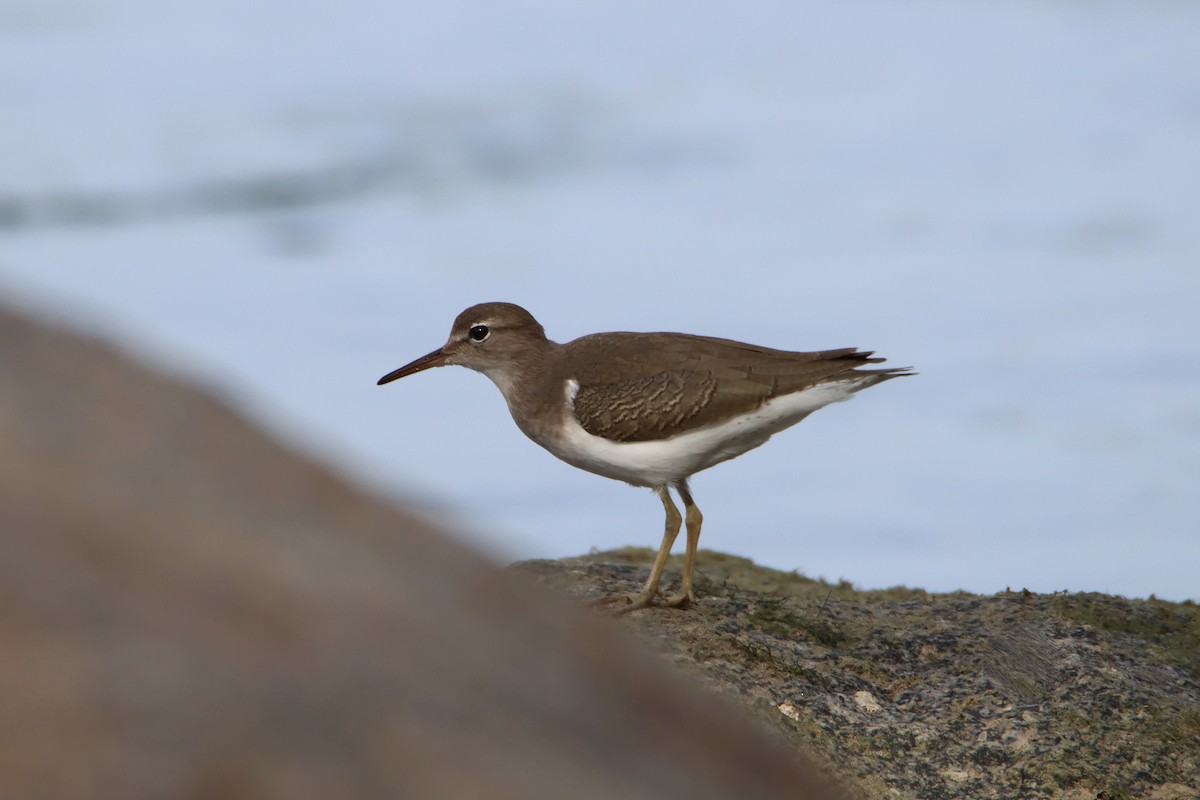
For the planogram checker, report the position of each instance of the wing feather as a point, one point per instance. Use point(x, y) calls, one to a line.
point(644, 386)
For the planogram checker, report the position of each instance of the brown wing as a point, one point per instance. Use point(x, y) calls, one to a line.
point(640, 386)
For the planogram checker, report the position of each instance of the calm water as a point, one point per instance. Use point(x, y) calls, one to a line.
point(289, 205)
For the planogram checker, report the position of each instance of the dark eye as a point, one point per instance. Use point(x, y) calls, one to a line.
point(478, 333)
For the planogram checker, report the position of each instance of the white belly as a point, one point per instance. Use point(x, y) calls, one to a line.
point(668, 461)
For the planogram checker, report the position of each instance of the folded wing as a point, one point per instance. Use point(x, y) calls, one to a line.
point(707, 381)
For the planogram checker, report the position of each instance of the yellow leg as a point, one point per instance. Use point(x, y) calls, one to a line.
point(674, 521)
point(695, 519)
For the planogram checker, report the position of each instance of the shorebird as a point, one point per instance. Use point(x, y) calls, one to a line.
point(650, 409)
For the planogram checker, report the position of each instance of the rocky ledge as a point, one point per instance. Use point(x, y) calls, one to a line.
point(906, 694)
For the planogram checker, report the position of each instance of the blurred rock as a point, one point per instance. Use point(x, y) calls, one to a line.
point(189, 610)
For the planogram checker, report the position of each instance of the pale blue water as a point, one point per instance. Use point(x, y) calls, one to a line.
point(1003, 195)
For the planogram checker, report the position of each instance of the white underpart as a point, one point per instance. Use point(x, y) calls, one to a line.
point(668, 461)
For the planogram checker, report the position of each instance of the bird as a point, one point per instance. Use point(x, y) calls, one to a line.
point(649, 409)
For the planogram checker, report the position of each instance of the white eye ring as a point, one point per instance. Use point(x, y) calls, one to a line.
point(479, 333)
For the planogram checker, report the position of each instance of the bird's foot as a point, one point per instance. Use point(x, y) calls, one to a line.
point(682, 600)
point(627, 602)
point(633, 602)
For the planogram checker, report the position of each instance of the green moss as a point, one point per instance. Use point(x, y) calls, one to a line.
point(754, 652)
point(770, 617)
point(1175, 725)
point(1172, 629)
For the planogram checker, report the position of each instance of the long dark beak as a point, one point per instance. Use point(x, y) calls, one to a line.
point(435, 359)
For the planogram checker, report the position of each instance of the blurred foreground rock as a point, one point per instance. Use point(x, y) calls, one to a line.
point(190, 611)
point(934, 697)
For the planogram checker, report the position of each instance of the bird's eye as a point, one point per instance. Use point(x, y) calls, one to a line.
point(479, 332)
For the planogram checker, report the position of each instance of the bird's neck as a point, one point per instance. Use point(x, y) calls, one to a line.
point(530, 382)
point(521, 371)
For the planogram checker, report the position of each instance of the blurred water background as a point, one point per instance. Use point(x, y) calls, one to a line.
point(289, 199)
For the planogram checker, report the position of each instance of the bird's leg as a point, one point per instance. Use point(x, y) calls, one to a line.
point(674, 521)
point(695, 519)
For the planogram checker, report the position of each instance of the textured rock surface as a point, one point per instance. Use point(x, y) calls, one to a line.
point(912, 695)
point(189, 610)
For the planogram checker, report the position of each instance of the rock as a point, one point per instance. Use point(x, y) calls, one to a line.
point(916, 695)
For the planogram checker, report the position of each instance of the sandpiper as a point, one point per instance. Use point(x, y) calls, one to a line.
point(650, 409)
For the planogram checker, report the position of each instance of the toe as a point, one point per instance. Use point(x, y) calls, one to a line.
point(681, 600)
point(633, 602)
